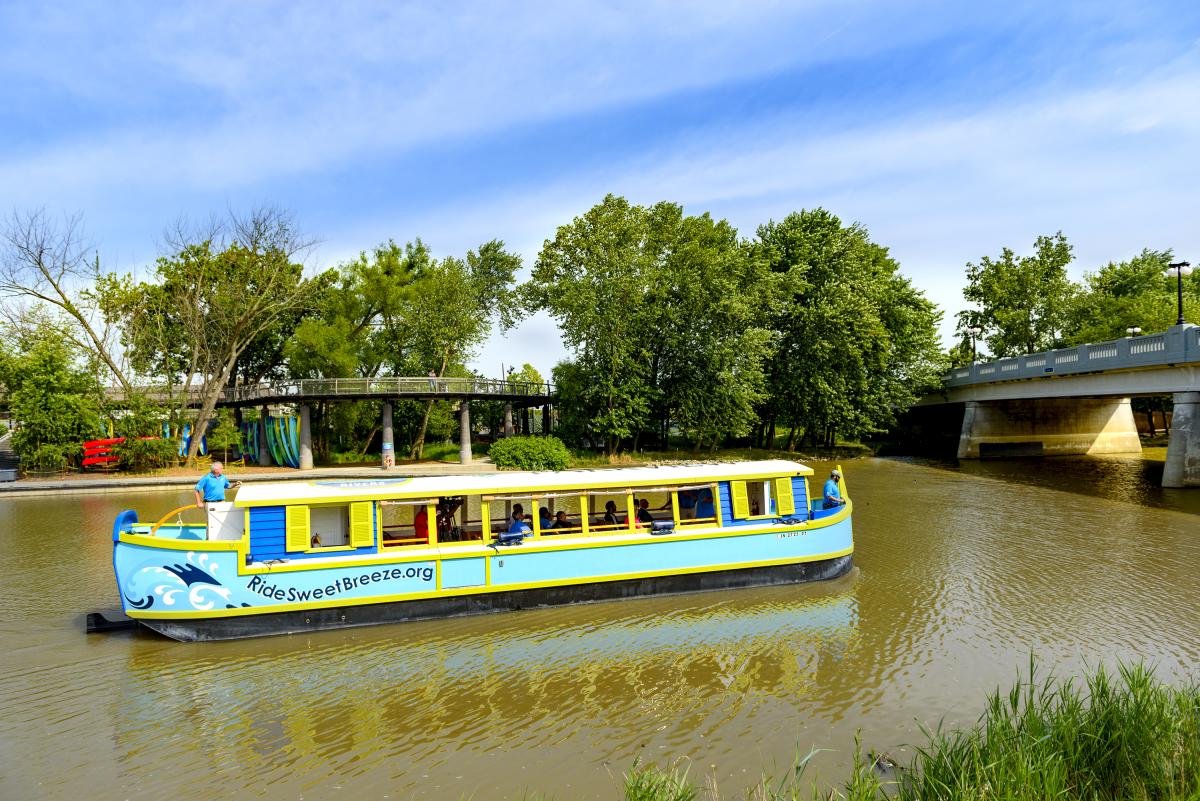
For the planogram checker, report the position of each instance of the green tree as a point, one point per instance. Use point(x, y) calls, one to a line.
point(659, 310)
point(855, 339)
point(211, 300)
point(53, 393)
point(1022, 303)
point(1127, 294)
point(451, 310)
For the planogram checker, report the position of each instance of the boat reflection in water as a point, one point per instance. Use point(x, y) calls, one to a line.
point(411, 702)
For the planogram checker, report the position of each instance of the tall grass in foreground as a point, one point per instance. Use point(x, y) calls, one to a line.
point(1124, 737)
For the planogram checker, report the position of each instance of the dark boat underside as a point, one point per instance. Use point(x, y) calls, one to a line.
point(235, 627)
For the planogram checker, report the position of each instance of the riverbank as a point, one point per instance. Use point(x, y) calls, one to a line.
point(185, 478)
point(1105, 738)
point(99, 482)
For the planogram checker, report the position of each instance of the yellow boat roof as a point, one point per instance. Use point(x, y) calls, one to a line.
point(385, 487)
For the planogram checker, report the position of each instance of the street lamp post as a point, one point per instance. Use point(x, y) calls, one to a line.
point(974, 331)
point(1179, 269)
point(1133, 331)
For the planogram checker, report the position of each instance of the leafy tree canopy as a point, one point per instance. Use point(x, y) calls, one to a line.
point(1022, 303)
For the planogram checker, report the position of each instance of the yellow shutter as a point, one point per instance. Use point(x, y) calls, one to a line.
point(784, 503)
point(741, 504)
point(361, 535)
point(296, 524)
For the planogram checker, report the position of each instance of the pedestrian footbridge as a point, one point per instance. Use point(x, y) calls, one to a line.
point(1077, 400)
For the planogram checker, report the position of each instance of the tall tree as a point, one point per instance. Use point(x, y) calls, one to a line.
point(855, 339)
point(52, 391)
point(659, 311)
point(211, 299)
point(451, 310)
point(1131, 293)
point(1023, 303)
point(46, 262)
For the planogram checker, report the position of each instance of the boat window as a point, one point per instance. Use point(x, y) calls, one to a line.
point(566, 513)
point(696, 507)
point(329, 526)
point(652, 505)
point(752, 499)
point(599, 519)
point(460, 518)
point(502, 508)
point(406, 522)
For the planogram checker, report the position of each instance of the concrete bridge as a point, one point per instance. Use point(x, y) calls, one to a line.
point(1077, 400)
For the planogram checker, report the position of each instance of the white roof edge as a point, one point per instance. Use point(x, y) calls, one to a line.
point(386, 486)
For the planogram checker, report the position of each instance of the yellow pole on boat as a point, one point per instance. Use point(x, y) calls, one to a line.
point(845, 495)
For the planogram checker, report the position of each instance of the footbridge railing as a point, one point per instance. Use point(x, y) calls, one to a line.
point(1179, 344)
point(521, 393)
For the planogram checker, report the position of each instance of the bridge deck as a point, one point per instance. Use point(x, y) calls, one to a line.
point(1178, 345)
point(519, 394)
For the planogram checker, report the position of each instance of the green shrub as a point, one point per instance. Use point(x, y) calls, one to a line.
point(49, 458)
point(530, 453)
point(141, 455)
point(3, 429)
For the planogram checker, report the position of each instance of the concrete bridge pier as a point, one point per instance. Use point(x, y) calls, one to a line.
point(546, 420)
point(508, 423)
point(264, 450)
point(389, 442)
point(464, 432)
point(1183, 448)
point(1049, 426)
point(306, 459)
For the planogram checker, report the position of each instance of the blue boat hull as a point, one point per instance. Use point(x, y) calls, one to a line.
point(335, 617)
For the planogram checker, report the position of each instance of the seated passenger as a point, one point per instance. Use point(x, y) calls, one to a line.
point(704, 504)
point(544, 519)
point(518, 524)
point(421, 522)
point(561, 521)
point(643, 512)
point(687, 503)
point(610, 514)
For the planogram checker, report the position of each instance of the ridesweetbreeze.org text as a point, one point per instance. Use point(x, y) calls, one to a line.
point(275, 592)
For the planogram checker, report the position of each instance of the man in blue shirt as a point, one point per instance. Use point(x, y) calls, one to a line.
point(518, 524)
point(833, 495)
point(211, 488)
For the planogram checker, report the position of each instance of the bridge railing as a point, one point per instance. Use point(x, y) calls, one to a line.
point(384, 387)
point(391, 386)
point(1178, 344)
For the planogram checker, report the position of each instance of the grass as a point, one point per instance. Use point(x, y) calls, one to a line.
point(1123, 737)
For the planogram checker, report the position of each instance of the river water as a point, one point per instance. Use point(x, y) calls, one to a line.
point(962, 574)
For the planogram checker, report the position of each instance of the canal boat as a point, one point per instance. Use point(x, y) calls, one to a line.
point(296, 556)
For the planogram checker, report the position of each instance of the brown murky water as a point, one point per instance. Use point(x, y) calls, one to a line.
point(963, 573)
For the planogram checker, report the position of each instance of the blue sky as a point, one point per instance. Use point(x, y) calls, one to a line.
point(949, 130)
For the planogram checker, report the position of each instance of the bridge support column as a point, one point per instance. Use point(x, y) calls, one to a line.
point(306, 460)
point(264, 450)
point(389, 443)
point(508, 429)
point(464, 432)
point(1049, 426)
point(546, 420)
point(1183, 448)
point(525, 421)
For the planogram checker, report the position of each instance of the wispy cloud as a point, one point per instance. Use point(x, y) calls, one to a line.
point(948, 130)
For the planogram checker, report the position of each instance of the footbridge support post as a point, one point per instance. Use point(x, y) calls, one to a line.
point(546, 420)
point(264, 449)
point(306, 458)
point(389, 442)
point(1049, 426)
point(464, 432)
point(1183, 448)
point(508, 423)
